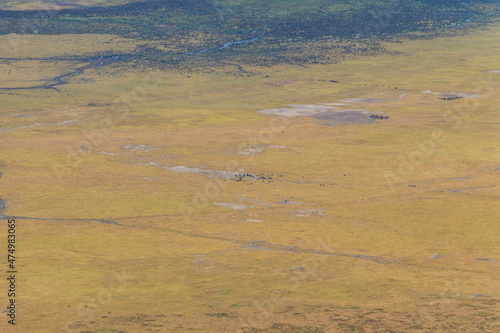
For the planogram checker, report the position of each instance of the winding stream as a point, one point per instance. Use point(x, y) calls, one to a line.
point(93, 63)
point(97, 62)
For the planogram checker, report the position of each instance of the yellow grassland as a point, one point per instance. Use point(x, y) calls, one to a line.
point(176, 262)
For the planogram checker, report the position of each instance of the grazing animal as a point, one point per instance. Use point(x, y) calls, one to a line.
point(376, 116)
point(452, 98)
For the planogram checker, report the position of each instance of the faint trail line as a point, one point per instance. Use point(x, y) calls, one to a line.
point(263, 245)
point(56, 219)
point(259, 244)
point(67, 122)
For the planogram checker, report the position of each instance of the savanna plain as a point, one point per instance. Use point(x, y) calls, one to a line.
point(204, 167)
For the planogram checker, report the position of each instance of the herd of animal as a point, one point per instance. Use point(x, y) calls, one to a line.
point(452, 98)
point(376, 116)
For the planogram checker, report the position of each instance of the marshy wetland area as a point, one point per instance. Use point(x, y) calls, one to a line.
point(251, 166)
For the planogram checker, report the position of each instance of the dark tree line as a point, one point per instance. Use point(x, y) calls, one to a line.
point(309, 35)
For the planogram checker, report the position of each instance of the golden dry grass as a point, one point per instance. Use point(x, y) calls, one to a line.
point(176, 262)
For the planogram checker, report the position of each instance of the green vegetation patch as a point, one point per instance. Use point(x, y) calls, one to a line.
point(176, 32)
